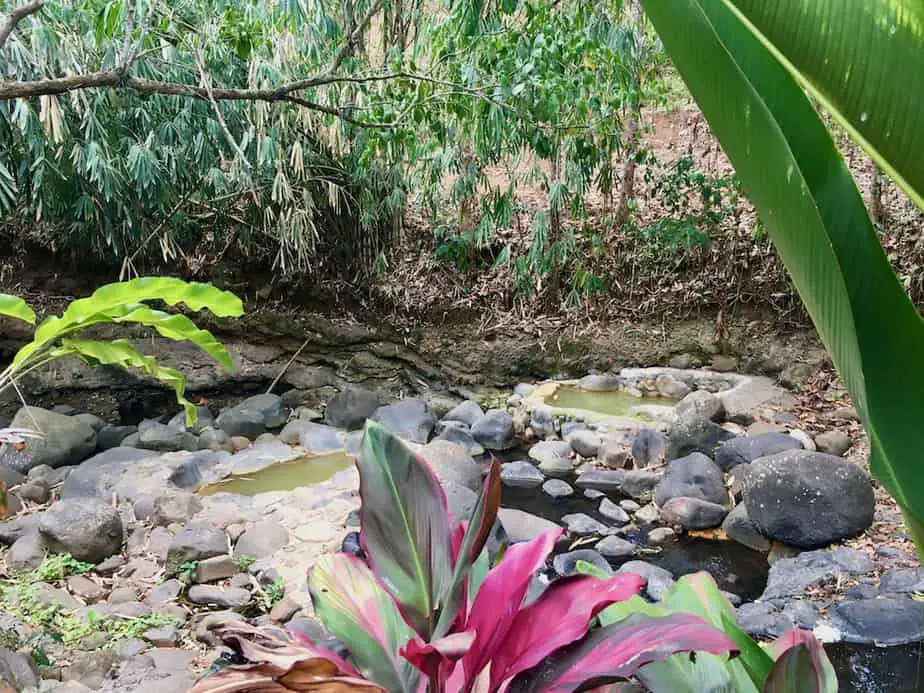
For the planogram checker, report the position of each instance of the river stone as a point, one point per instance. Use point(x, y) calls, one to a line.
point(175, 507)
point(738, 526)
point(693, 476)
point(658, 581)
point(556, 488)
point(204, 419)
point(584, 442)
point(88, 529)
point(460, 435)
point(808, 499)
point(601, 479)
point(315, 438)
point(12, 530)
point(520, 474)
point(215, 568)
point(582, 525)
point(26, 553)
point(648, 448)
point(790, 577)
point(461, 500)
point(693, 513)
point(18, 671)
point(883, 622)
point(65, 441)
point(601, 382)
point(702, 405)
point(350, 408)
point(695, 434)
point(661, 535)
point(569, 427)
point(566, 563)
point(468, 412)
point(452, 464)
point(669, 386)
point(494, 431)
point(902, 581)
point(613, 512)
point(542, 421)
point(553, 457)
point(648, 514)
point(224, 597)
point(36, 491)
point(262, 539)
point(762, 620)
point(616, 547)
point(239, 422)
point(747, 449)
point(196, 542)
point(410, 419)
point(214, 439)
point(832, 442)
point(164, 438)
point(638, 483)
point(614, 451)
point(110, 436)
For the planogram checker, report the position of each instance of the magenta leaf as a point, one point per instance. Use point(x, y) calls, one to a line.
point(467, 549)
point(570, 604)
point(617, 651)
point(405, 526)
point(801, 665)
point(499, 600)
point(356, 609)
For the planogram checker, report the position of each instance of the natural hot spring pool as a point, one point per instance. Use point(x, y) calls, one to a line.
point(283, 476)
point(610, 402)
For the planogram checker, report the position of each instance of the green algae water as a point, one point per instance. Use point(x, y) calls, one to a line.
point(283, 476)
point(610, 403)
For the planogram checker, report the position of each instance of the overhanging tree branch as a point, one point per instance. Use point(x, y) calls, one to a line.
point(16, 16)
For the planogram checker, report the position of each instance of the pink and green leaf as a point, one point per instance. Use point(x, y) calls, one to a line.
point(467, 551)
point(570, 604)
point(405, 526)
point(356, 609)
point(801, 665)
point(618, 651)
point(499, 600)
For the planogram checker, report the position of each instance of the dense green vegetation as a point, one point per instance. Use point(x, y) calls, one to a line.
point(301, 135)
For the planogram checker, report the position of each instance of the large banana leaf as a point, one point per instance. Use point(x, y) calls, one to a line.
point(122, 353)
point(15, 307)
point(856, 57)
point(807, 200)
point(121, 302)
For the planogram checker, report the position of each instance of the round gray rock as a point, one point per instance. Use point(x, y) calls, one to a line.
point(556, 488)
point(585, 443)
point(553, 457)
point(452, 464)
point(521, 474)
point(693, 513)
point(808, 499)
point(648, 448)
point(411, 419)
point(494, 430)
point(693, 476)
point(747, 449)
point(88, 529)
point(65, 440)
point(468, 412)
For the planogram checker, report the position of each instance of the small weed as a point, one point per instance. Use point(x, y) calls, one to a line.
point(272, 594)
point(186, 572)
point(243, 562)
point(59, 566)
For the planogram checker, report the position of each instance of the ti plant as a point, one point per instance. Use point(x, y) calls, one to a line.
point(427, 612)
point(121, 303)
point(793, 663)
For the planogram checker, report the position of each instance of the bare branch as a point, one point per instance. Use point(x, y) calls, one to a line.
point(207, 83)
point(16, 16)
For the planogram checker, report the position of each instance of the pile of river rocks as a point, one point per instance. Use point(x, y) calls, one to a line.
point(124, 499)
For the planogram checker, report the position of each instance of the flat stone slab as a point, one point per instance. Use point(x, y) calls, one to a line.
point(790, 577)
point(885, 621)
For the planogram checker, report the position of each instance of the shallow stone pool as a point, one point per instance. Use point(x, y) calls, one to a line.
point(283, 476)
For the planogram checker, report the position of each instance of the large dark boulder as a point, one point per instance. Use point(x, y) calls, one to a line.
point(410, 419)
point(747, 449)
point(88, 529)
point(808, 499)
